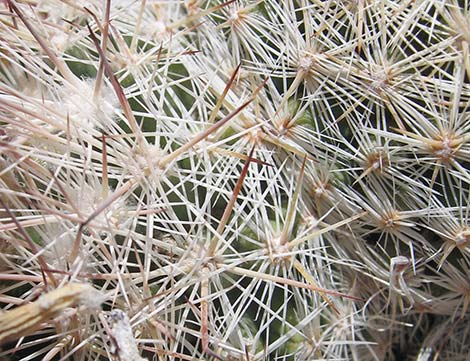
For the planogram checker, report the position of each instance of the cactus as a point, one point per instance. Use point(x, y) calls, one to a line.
point(234, 180)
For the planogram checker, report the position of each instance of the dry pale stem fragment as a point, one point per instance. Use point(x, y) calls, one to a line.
point(24, 320)
point(125, 343)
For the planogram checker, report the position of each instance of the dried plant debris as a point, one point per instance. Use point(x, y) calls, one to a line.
point(24, 320)
point(124, 344)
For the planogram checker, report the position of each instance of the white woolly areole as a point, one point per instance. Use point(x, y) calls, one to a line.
point(83, 109)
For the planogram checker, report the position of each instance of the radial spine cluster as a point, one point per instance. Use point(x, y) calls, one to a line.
point(235, 180)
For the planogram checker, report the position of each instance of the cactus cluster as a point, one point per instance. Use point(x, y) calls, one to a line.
point(235, 180)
